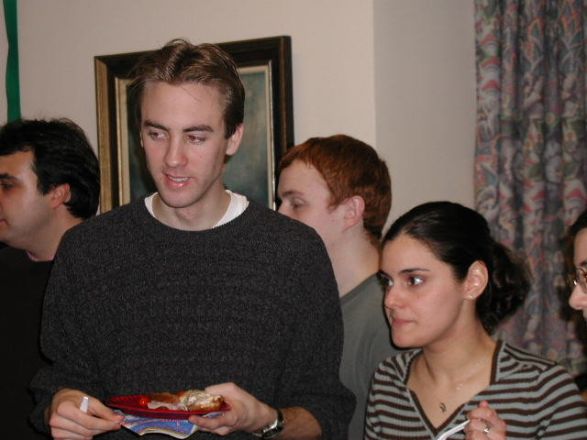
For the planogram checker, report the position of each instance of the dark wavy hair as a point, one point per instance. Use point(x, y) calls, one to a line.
point(460, 236)
point(181, 62)
point(62, 154)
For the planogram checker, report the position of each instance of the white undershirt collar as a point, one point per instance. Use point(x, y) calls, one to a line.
point(238, 204)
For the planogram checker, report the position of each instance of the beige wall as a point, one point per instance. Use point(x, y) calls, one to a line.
point(425, 99)
point(398, 74)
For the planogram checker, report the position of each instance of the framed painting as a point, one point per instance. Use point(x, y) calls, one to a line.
point(264, 66)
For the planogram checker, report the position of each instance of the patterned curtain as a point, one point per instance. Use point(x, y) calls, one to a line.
point(531, 154)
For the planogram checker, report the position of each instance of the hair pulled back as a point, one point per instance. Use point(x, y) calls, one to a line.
point(460, 236)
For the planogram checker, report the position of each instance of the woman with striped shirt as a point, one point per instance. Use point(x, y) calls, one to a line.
point(448, 285)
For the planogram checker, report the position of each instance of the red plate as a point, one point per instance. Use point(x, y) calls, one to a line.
point(130, 405)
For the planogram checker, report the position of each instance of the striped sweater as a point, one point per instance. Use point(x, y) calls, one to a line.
point(535, 397)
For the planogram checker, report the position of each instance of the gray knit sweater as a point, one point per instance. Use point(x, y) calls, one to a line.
point(134, 306)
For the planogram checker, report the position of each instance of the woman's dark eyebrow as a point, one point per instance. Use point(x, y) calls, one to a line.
point(413, 269)
point(385, 274)
point(6, 176)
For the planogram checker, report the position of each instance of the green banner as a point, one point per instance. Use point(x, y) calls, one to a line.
point(12, 78)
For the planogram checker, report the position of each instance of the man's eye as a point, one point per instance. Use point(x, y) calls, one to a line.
point(296, 203)
point(414, 280)
point(6, 185)
point(155, 135)
point(196, 139)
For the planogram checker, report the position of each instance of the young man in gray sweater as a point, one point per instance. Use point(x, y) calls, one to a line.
point(194, 286)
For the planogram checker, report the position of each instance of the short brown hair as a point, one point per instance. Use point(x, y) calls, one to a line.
point(182, 62)
point(350, 168)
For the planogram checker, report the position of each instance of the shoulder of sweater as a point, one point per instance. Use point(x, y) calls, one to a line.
point(256, 210)
point(256, 218)
point(525, 357)
point(514, 360)
point(397, 366)
point(113, 217)
point(101, 228)
point(268, 220)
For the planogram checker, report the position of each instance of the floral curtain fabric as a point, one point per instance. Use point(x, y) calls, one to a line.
point(531, 154)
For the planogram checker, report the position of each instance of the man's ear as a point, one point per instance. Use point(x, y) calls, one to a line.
point(234, 141)
point(476, 280)
point(59, 195)
point(354, 207)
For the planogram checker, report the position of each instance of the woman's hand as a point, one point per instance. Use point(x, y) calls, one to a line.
point(485, 424)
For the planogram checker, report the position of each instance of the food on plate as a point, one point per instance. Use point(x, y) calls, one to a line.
point(187, 400)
